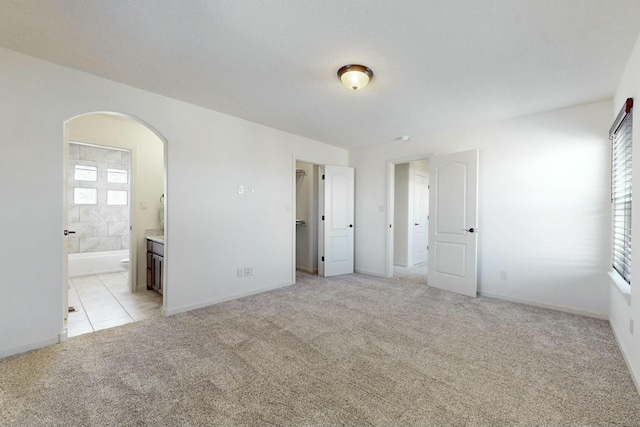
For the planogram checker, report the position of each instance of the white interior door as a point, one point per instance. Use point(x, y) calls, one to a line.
point(337, 221)
point(420, 217)
point(453, 226)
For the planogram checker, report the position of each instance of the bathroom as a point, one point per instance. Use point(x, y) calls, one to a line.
point(98, 189)
point(115, 199)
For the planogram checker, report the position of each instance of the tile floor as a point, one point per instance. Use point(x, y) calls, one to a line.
point(104, 301)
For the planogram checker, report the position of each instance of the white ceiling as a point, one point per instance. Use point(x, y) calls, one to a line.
point(436, 63)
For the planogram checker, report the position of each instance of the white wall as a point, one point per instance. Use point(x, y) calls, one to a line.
point(401, 253)
point(210, 229)
point(148, 171)
point(307, 210)
point(625, 306)
point(543, 205)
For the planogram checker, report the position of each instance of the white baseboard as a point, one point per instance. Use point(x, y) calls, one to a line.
point(602, 316)
point(29, 347)
point(634, 375)
point(185, 308)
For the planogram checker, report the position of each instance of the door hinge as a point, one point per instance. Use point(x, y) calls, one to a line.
point(322, 259)
point(428, 187)
point(323, 217)
point(322, 176)
point(427, 247)
point(427, 216)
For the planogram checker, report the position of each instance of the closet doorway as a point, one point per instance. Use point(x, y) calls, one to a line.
point(306, 209)
point(323, 238)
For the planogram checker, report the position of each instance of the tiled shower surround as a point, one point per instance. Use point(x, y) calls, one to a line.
point(99, 226)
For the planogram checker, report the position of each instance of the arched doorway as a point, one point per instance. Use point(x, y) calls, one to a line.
point(115, 193)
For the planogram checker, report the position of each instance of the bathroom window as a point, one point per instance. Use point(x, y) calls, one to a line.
point(85, 173)
point(117, 197)
point(85, 196)
point(117, 176)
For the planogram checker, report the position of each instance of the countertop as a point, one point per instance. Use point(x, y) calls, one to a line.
point(157, 239)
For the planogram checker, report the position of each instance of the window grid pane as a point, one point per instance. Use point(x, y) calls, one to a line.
point(117, 176)
point(117, 197)
point(85, 173)
point(85, 196)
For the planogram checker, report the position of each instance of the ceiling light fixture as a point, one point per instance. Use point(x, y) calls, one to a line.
point(355, 76)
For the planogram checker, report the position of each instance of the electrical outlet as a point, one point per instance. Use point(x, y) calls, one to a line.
point(248, 271)
point(240, 272)
point(503, 275)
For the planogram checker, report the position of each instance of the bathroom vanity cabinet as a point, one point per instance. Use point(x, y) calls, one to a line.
point(155, 260)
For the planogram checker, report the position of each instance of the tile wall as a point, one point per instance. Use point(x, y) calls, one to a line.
point(99, 226)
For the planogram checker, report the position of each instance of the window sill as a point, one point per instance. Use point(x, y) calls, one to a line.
point(622, 286)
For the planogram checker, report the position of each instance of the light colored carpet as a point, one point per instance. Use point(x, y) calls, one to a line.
point(416, 274)
point(350, 350)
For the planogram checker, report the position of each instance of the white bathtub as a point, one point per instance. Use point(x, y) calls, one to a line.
point(90, 263)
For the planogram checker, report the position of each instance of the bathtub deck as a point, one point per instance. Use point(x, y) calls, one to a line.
point(104, 301)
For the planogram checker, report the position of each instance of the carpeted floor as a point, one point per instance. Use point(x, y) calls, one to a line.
point(350, 350)
point(416, 274)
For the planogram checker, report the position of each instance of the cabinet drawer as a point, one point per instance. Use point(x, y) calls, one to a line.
point(158, 248)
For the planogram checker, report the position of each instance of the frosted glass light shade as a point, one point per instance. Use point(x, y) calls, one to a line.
point(355, 76)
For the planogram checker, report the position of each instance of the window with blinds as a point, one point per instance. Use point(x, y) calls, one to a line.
point(621, 189)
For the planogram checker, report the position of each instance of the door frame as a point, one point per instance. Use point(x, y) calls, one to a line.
point(391, 168)
point(65, 262)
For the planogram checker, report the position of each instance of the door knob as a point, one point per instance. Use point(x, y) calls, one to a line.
point(471, 230)
point(350, 225)
point(67, 232)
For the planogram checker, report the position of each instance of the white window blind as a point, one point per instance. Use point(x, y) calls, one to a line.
point(621, 189)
